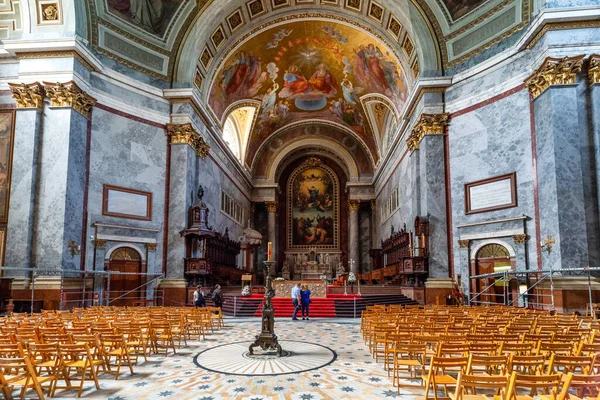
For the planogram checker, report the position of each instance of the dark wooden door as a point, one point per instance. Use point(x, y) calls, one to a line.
point(121, 284)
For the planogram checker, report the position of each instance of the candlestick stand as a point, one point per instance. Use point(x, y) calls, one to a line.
point(266, 339)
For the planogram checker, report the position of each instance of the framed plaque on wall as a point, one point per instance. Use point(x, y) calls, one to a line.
point(491, 194)
point(126, 203)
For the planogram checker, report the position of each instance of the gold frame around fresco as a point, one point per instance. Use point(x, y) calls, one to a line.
point(316, 164)
point(4, 217)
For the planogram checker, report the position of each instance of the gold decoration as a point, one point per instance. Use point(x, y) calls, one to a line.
point(271, 206)
point(548, 244)
point(28, 95)
point(151, 246)
point(185, 133)
point(554, 71)
point(520, 239)
point(464, 244)
point(373, 205)
point(70, 95)
point(312, 162)
point(429, 124)
point(99, 243)
point(353, 205)
point(50, 12)
point(57, 54)
point(594, 69)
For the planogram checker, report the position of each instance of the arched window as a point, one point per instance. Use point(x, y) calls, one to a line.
point(125, 254)
point(231, 137)
point(493, 251)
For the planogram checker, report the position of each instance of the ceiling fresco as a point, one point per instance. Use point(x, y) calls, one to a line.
point(309, 70)
point(153, 16)
point(459, 8)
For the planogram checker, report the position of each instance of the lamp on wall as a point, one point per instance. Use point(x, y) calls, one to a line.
point(547, 244)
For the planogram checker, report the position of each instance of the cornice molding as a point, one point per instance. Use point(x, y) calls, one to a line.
point(28, 95)
point(186, 134)
point(68, 94)
point(554, 71)
point(428, 124)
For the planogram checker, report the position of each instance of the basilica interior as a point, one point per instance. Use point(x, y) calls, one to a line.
point(414, 153)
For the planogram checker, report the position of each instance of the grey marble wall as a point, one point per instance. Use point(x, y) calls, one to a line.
point(364, 240)
point(594, 113)
point(487, 142)
point(129, 154)
point(22, 191)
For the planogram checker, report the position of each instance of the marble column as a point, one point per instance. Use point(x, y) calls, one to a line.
point(61, 186)
point(561, 166)
point(427, 144)
point(374, 226)
point(151, 268)
point(272, 226)
point(594, 89)
point(353, 244)
point(99, 280)
point(21, 215)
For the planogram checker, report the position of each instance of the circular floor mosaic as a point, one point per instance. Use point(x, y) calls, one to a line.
point(235, 359)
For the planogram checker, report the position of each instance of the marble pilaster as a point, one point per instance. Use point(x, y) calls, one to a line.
point(272, 227)
point(594, 113)
point(21, 216)
point(182, 184)
point(353, 242)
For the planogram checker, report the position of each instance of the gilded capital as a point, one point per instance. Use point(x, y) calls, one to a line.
point(28, 95)
point(428, 124)
point(554, 71)
point(373, 205)
point(99, 243)
point(271, 206)
point(353, 205)
point(70, 95)
point(185, 133)
point(594, 69)
point(520, 239)
point(463, 244)
point(151, 246)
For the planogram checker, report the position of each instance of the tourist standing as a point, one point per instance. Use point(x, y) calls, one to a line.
point(305, 295)
point(296, 300)
point(199, 300)
point(217, 296)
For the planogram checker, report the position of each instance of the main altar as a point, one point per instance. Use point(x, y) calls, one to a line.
point(312, 265)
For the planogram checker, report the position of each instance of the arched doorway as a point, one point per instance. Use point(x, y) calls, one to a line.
point(491, 258)
point(126, 259)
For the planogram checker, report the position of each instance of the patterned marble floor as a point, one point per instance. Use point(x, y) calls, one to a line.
point(352, 375)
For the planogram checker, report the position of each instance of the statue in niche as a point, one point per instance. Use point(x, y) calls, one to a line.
point(200, 193)
point(286, 266)
point(340, 270)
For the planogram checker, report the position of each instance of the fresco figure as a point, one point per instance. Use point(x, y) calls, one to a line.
point(323, 81)
point(294, 83)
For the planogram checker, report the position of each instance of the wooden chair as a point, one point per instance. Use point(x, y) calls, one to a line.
point(413, 358)
point(78, 358)
point(466, 384)
point(161, 337)
point(216, 315)
point(115, 346)
point(20, 372)
point(487, 364)
point(549, 385)
point(585, 384)
point(438, 375)
point(526, 364)
point(566, 364)
point(520, 349)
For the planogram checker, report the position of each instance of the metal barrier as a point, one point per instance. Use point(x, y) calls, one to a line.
point(530, 294)
point(100, 293)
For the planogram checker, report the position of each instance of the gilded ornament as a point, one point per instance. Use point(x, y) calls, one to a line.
point(70, 95)
point(554, 71)
point(373, 205)
point(50, 12)
point(271, 206)
point(594, 69)
point(186, 134)
point(312, 162)
point(151, 246)
point(428, 124)
point(464, 244)
point(353, 205)
point(99, 243)
point(520, 239)
point(28, 95)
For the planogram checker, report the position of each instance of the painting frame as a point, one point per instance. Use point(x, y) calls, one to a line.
point(313, 163)
point(107, 189)
point(513, 202)
point(8, 163)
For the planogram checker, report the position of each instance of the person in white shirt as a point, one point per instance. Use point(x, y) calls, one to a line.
point(296, 300)
point(199, 300)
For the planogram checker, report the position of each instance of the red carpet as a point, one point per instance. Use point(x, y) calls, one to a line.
point(319, 307)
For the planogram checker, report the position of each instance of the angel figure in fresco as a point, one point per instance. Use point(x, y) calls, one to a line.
point(350, 93)
point(243, 77)
point(323, 81)
point(369, 69)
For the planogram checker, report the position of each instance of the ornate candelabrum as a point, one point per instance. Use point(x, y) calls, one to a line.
point(267, 339)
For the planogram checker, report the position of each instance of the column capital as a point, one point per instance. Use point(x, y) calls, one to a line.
point(28, 95)
point(554, 71)
point(68, 94)
point(185, 133)
point(353, 205)
point(99, 243)
point(428, 124)
point(464, 244)
point(373, 205)
point(271, 206)
point(151, 246)
point(594, 69)
point(520, 239)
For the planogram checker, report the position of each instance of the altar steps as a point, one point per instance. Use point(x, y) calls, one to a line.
point(335, 305)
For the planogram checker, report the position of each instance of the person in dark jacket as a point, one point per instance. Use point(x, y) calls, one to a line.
point(217, 296)
point(305, 293)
